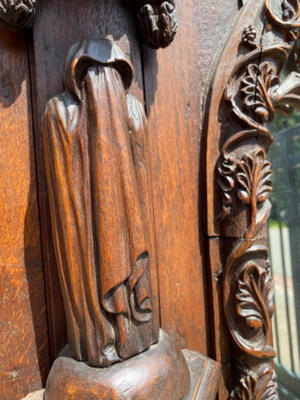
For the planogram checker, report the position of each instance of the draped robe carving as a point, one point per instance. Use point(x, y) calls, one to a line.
point(94, 139)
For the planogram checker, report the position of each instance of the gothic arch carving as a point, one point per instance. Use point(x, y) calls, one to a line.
point(245, 93)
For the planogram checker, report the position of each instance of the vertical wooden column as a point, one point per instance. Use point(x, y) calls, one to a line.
point(23, 326)
point(246, 91)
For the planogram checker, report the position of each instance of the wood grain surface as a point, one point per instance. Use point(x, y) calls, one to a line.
point(159, 373)
point(23, 327)
point(175, 84)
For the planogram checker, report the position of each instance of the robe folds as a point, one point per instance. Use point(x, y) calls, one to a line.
point(100, 208)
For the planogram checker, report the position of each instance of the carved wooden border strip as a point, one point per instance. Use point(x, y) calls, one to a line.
point(156, 19)
point(245, 93)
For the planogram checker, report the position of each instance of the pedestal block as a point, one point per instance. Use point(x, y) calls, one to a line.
point(161, 372)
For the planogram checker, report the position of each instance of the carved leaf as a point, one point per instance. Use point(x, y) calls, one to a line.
point(255, 297)
point(253, 387)
point(255, 87)
point(254, 177)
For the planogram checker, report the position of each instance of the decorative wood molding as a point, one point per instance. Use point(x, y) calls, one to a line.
point(16, 15)
point(244, 95)
point(157, 22)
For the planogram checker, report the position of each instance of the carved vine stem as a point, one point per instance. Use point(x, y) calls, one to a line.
point(239, 179)
point(156, 19)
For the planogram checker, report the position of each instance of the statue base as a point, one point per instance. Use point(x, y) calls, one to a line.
point(161, 372)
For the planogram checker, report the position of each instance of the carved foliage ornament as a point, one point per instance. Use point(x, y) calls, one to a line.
point(156, 19)
point(239, 179)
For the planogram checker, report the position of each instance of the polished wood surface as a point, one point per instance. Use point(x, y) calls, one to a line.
point(24, 351)
point(159, 373)
point(205, 376)
point(175, 83)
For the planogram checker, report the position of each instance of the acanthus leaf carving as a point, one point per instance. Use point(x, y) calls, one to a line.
point(256, 387)
point(256, 86)
point(255, 296)
point(254, 178)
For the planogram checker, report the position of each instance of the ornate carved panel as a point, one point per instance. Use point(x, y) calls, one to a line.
point(156, 19)
point(245, 93)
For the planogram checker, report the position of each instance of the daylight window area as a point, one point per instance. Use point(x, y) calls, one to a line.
point(284, 237)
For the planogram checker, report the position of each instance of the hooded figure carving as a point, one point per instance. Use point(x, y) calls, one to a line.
point(94, 139)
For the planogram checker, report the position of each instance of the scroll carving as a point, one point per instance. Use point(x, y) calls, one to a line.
point(157, 22)
point(244, 100)
point(17, 14)
point(100, 206)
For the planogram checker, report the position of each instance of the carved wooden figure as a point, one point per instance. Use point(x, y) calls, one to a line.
point(99, 197)
point(245, 93)
point(94, 142)
point(157, 22)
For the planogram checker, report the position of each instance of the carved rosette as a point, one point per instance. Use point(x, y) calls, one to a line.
point(157, 22)
point(239, 180)
point(16, 15)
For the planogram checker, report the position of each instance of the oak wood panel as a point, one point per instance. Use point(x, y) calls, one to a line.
point(111, 19)
point(175, 83)
point(23, 326)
